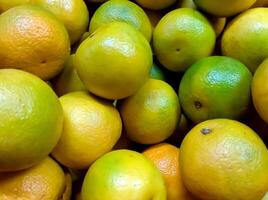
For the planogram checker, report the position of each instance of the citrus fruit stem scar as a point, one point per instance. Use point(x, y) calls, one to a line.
point(206, 131)
point(197, 104)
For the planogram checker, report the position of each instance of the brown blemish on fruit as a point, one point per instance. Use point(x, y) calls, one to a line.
point(197, 105)
point(206, 131)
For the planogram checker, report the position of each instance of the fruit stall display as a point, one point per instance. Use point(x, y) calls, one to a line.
point(133, 100)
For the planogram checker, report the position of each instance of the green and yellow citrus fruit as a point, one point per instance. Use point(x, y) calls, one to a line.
point(123, 174)
point(215, 87)
point(91, 128)
point(245, 38)
point(115, 61)
point(31, 120)
point(228, 153)
point(260, 90)
point(68, 81)
point(224, 8)
point(178, 37)
point(73, 13)
point(124, 11)
point(151, 114)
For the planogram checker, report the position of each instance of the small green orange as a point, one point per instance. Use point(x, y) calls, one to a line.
point(215, 87)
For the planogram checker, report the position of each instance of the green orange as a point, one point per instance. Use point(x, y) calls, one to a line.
point(152, 113)
point(123, 174)
point(178, 37)
point(245, 38)
point(31, 120)
point(124, 11)
point(115, 61)
point(215, 87)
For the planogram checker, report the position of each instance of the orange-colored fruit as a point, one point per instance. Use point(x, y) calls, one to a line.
point(45, 181)
point(166, 159)
point(34, 40)
point(224, 159)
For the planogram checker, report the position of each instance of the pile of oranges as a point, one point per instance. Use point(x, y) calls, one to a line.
point(133, 100)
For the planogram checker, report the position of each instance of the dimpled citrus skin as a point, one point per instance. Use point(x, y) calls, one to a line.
point(33, 39)
point(73, 14)
point(224, 8)
point(178, 37)
point(166, 159)
point(121, 10)
point(115, 61)
point(123, 174)
point(31, 120)
point(151, 114)
point(260, 90)
point(44, 181)
point(215, 87)
point(91, 128)
point(246, 38)
point(224, 159)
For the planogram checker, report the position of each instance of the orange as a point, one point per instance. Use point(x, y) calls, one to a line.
point(46, 180)
point(224, 8)
point(261, 3)
point(215, 87)
point(72, 13)
point(31, 120)
point(245, 38)
point(166, 159)
point(91, 128)
point(68, 81)
point(33, 39)
point(178, 36)
point(155, 4)
point(124, 11)
point(151, 114)
point(224, 159)
point(123, 174)
point(260, 90)
point(115, 61)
